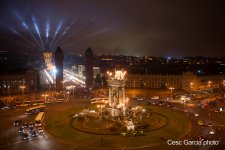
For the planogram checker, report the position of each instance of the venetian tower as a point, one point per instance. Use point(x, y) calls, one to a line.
point(59, 67)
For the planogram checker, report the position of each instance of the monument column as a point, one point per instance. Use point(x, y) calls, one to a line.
point(116, 83)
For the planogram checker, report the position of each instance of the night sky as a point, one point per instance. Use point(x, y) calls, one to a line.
point(141, 27)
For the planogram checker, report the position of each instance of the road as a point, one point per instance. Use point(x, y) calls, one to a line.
point(10, 138)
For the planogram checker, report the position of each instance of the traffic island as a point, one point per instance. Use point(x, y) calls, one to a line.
point(63, 126)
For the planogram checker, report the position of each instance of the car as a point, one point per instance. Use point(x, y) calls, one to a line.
point(59, 100)
point(34, 134)
point(5, 108)
point(49, 101)
point(200, 123)
point(209, 124)
point(25, 136)
point(161, 103)
point(31, 124)
point(216, 111)
point(196, 115)
point(17, 122)
point(212, 132)
point(40, 130)
point(31, 129)
point(203, 107)
point(21, 130)
point(25, 125)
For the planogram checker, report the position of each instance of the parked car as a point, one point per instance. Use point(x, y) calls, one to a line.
point(34, 134)
point(17, 122)
point(31, 124)
point(40, 130)
point(21, 130)
point(25, 125)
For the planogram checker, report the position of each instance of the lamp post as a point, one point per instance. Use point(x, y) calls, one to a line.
point(102, 84)
point(192, 85)
point(22, 88)
point(171, 90)
point(45, 95)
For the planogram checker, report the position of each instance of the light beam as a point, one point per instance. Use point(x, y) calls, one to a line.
point(56, 32)
point(64, 32)
point(37, 30)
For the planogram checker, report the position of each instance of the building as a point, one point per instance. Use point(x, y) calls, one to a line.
point(18, 81)
point(59, 68)
point(186, 81)
point(81, 70)
point(89, 67)
point(96, 71)
point(47, 55)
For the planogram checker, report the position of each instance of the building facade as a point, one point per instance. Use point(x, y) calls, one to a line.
point(18, 81)
point(47, 55)
point(186, 81)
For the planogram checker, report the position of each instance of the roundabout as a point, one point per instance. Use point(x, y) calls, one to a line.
point(97, 134)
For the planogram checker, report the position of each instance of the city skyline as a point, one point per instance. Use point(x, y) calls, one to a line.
point(155, 28)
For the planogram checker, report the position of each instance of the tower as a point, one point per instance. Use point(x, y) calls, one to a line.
point(89, 67)
point(48, 58)
point(59, 69)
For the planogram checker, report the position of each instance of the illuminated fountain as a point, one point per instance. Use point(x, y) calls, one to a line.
point(116, 114)
point(117, 100)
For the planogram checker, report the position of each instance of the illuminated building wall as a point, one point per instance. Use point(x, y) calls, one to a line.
point(48, 59)
point(187, 81)
point(10, 81)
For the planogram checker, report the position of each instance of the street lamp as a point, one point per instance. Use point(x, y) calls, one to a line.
point(191, 85)
point(209, 84)
point(45, 95)
point(22, 88)
point(102, 84)
point(171, 90)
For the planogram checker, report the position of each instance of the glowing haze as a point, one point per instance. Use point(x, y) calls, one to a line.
point(156, 27)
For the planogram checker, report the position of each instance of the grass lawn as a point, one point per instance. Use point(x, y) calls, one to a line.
point(59, 125)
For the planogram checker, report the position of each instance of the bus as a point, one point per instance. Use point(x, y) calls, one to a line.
point(38, 102)
point(36, 109)
point(39, 119)
point(25, 103)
